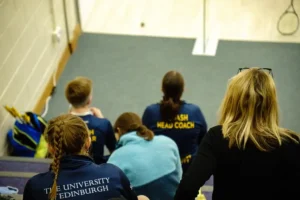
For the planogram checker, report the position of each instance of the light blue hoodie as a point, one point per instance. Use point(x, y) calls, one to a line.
point(152, 167)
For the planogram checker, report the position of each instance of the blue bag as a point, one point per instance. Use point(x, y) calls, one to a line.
point(27, 139)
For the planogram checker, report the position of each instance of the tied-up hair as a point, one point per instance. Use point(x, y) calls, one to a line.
point(172, 87)
point(67, 135)
point(249, 112)
point(129, 122)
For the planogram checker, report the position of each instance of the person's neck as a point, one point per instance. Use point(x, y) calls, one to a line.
point(80, 110)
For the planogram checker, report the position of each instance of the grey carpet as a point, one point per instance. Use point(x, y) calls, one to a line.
point(127, 73)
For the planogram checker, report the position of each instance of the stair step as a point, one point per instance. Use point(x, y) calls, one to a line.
point(15, 196)
point(21, 164)
point(15, 179)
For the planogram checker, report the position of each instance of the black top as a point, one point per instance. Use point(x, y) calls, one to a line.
point(242, 174)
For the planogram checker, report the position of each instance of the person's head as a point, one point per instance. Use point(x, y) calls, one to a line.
point(66, 135)
point(79, 92)
point(128, 122)
point(172, 88)
point(249, 111)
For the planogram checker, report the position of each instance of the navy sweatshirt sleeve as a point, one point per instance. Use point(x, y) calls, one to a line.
point(145, 118)
point(203, 124)
point(128, 193)
point(200, 170)
point(110, 138)
point(27, 194)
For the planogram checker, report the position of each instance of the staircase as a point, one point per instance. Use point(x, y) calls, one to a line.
point(16, 171)
point(207, 189)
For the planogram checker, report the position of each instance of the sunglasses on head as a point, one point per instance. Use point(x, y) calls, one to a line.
point(268, 70)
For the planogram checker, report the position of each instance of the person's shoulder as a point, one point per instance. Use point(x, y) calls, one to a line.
point(215, 131)
point(106, 169)
point(109, 168)
point(292, 140)
point(290, 149)
point(39, 178)
point(165, 144)
point(152, 107)
point(121, 154)
point(98, 122)
point(164, 139)
point(151, 113)
point(97, 119)
point(191, 107)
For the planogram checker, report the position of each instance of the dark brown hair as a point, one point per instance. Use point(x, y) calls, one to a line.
point(172, 87)
point(129, 121)
point(67, 135)
point(78, 91)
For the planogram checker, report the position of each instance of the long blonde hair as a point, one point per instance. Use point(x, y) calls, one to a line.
point(66, 134)
point(249, 111)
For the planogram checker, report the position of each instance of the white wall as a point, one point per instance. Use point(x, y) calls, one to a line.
point(71, 16)
point(253, 20)
point(232, 19)
point(85, 8)
point(28, 56)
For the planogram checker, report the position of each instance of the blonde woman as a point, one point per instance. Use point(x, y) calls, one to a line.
point(249, 154)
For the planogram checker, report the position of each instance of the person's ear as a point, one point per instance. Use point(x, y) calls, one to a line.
point(117, 136)
point(89, 100)
point(118, 133)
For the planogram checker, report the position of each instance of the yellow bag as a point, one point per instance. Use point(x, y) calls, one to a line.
point(200, 196)
point(42, 148)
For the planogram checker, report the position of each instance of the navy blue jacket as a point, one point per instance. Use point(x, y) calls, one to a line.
point(101, 134)
point(80, 178)
point(187, 130)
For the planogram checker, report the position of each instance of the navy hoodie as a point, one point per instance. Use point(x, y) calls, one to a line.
point(187, 130)
point(80, 178)
point(101, 134)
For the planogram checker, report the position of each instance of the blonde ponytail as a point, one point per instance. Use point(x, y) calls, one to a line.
point(58, 131)
point(67, 135)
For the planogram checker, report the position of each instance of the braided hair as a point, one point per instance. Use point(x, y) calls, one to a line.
point(67, 135)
